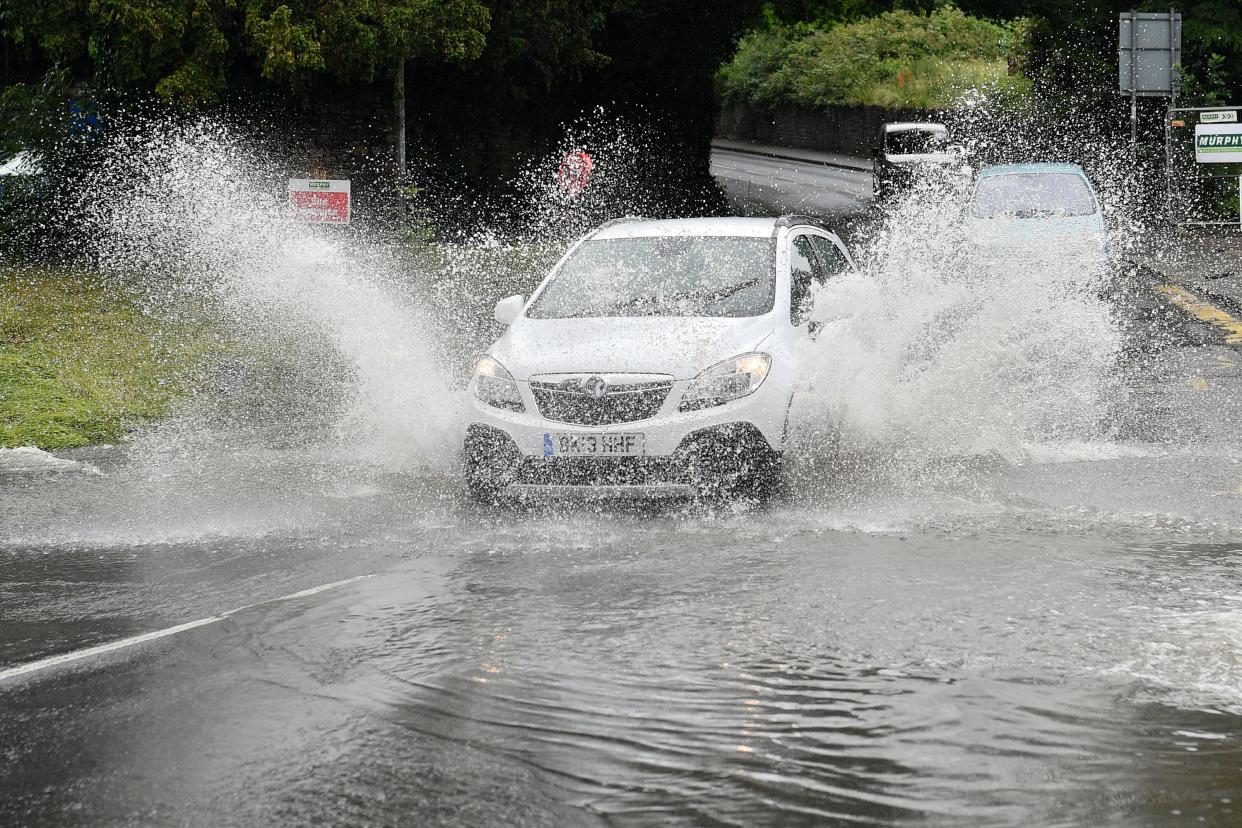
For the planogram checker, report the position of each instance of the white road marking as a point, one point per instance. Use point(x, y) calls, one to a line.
point(112, 646)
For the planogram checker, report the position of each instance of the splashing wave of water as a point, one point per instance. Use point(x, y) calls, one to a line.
point(928, 352)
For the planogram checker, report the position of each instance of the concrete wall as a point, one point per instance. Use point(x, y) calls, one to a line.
point(850, 130)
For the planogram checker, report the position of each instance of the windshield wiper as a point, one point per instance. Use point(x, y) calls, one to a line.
point(680, 296)
point(720, 293)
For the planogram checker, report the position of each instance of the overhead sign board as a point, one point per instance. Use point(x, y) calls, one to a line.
point(1218, 143)
point(326, 201)
point(1149, 46)
point(1228, 116)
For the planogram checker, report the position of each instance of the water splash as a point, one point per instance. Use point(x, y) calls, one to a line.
point(927, 351)
point(199, 213)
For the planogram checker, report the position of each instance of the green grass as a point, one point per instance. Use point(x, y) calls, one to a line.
point(82, 364)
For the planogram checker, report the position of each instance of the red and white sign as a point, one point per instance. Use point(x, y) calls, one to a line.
point(574, 175)
point(320, 200)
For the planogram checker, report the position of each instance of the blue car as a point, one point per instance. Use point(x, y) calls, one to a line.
point(1036, 209)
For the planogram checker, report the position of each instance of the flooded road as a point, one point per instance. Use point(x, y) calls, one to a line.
point(1046, 632)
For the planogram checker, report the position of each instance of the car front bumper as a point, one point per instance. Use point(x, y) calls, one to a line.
point(682, 450)
point(701, 459)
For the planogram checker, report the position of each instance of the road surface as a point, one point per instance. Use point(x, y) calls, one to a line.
point(773, 179)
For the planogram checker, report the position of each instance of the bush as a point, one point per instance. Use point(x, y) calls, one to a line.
point(899, 59)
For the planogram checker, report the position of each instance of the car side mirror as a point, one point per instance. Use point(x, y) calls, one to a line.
point(509, 308)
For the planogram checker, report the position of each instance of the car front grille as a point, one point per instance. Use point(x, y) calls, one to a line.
point(576, 402)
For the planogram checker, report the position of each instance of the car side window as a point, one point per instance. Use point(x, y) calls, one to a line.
point(833, 258)
point(804, 268)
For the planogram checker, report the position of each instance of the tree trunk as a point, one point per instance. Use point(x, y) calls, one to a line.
point(398, 100)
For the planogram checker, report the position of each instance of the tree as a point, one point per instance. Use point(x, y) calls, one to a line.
point(195, 52)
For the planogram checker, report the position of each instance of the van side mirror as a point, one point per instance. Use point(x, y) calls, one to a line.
point(508, 309)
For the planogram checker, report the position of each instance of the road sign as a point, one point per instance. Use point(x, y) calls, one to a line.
point(326, 201)
point(574, 175)
point(1218, 143)
point(1226, 117)
point(1149, 46)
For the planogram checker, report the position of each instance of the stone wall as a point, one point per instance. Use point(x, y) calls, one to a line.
point(850, 130)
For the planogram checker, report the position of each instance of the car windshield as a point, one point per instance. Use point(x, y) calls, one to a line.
point(1033, 195)
point(915, 142)
point(662, 276)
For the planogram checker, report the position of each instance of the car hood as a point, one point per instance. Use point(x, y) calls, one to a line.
point(680, 346)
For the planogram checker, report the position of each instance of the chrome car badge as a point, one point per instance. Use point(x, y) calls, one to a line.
point(595, 387)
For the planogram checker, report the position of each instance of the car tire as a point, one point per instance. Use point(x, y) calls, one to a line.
point(488, 460)
point(761, 483)
point(479, 486)
point(720, 468)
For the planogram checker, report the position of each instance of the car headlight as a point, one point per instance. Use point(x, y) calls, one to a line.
point(495, 386)
point(730, 380)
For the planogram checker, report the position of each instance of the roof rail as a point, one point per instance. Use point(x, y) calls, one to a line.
point(792, 219)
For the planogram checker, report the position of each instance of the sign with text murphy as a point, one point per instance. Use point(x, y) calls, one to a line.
point(1218, 143)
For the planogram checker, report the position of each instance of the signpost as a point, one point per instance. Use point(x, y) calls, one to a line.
point(324, 201)
point(1149, 49)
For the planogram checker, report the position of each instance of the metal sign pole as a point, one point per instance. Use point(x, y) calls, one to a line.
point(1133, 85)
point(1168, 162)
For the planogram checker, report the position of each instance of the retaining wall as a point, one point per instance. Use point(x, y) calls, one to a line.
point(850, 130)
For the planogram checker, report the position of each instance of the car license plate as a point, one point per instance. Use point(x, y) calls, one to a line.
point(579, 444)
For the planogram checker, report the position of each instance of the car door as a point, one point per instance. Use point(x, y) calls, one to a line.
point(805, 270)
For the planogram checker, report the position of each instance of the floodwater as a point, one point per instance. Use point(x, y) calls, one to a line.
point(1043, 626)
point(982, 643)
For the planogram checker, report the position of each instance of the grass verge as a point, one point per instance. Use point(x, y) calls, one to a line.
point(82, 363)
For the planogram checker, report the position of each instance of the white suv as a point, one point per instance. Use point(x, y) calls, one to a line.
point(658, 358)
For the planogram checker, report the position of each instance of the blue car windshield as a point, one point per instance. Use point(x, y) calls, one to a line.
point(662, 276)
point(1033, 195)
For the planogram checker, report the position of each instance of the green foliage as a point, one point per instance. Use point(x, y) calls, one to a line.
point(897, 59)
point(192, 52)
point(1212, 53)
point(363, 38)
point(34, 114)
point(79, 364)
point(1210, 88)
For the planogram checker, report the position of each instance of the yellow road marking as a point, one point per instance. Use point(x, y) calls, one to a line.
point(1201, 310)
point(1199, 383)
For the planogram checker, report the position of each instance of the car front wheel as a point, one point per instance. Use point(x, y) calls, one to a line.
point(733, 465)
point(489, 460)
